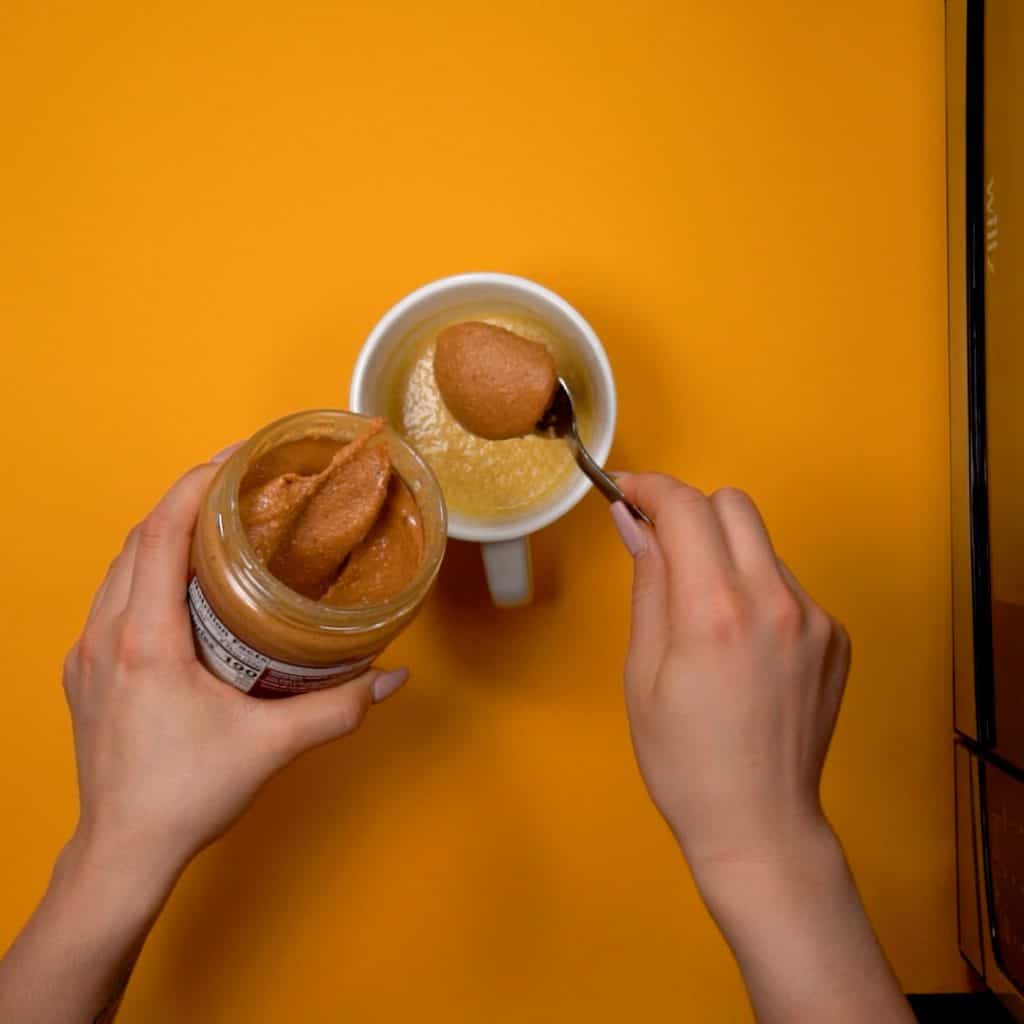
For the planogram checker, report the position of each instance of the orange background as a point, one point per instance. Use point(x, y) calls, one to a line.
point(207, 206)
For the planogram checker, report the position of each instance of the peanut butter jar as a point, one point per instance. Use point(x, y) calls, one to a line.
point(259, 635)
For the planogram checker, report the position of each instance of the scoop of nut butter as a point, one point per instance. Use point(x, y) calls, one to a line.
point(494, 382)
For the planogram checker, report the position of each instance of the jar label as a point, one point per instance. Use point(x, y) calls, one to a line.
point(242, 666)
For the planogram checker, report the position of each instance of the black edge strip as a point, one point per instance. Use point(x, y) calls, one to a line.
point(977, 432)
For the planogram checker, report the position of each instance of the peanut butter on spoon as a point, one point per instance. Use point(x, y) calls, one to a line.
point(494, 382)
point(308, 528)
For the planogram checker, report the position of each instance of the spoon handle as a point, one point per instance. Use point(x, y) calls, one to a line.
point(603, 482)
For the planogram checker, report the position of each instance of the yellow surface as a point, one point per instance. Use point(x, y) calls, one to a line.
point(205, 209)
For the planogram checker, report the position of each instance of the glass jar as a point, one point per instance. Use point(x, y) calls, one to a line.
point(259, 635)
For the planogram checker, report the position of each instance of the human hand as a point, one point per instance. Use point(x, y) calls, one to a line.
point(169, 756)
point(733, 678)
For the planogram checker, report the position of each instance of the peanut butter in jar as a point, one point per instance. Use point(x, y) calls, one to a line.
point(316, 544)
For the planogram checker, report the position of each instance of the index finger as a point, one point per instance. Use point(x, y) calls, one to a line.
point(687, 527)
point(164, 540)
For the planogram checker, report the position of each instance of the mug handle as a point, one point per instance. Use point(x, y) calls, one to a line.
point(509, 568)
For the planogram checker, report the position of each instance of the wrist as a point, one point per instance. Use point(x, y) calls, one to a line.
point(799, 932)
point(102, 876)
point(806, 863)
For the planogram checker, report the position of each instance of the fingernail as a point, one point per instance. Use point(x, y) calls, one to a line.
point(629, 530)
point(388, 683)
point(619, 474)
point(222, 456)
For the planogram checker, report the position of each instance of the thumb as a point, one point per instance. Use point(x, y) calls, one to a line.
point(649, 628)
point(311, 719)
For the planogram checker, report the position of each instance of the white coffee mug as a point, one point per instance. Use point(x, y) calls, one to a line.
point(504, 544)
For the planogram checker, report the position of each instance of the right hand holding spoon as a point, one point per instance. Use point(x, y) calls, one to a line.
point(734, 678)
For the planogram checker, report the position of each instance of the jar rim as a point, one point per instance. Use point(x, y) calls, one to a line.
point(267, 588)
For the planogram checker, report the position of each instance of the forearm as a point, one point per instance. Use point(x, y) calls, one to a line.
point(802, 940)
point(73, 958)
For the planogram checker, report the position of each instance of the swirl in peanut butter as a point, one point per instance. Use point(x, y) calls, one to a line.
point(333, 521)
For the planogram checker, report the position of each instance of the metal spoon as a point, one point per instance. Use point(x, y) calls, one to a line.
point(559, 421)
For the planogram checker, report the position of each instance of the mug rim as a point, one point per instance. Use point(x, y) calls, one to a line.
point(522, 526)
